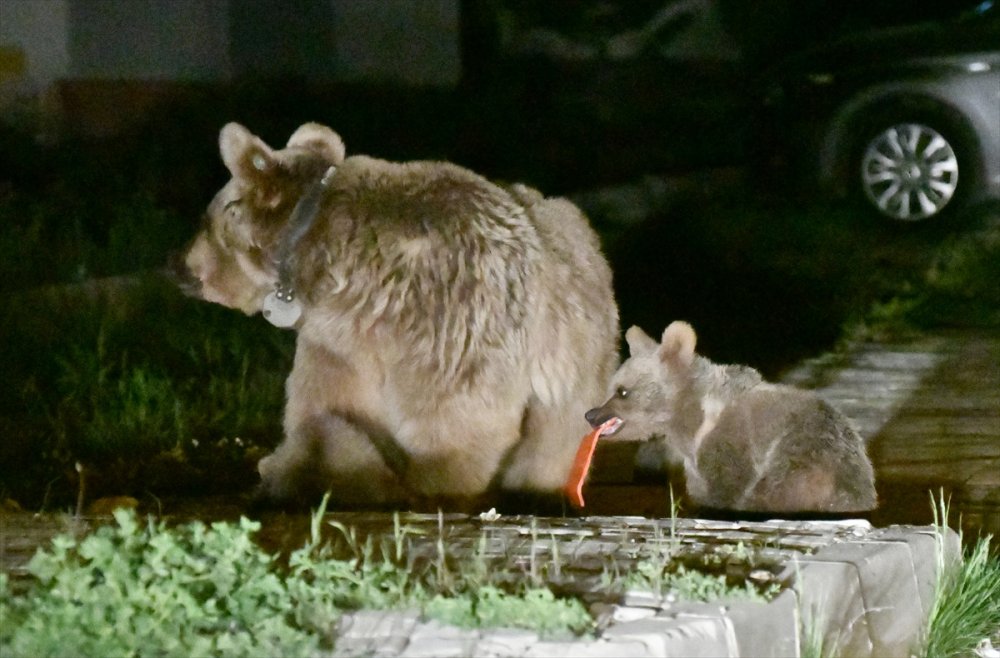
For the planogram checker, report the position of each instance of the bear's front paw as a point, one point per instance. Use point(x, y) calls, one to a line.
point(265, 467)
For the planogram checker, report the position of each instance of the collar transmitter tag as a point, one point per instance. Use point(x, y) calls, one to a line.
point(281, 308)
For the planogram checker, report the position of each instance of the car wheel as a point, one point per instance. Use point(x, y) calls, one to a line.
point(910, 172)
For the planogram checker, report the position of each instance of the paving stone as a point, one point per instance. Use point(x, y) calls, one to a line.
point(894, 360)
point(979, 499)
point(355, 647)
point(582, 547)
point(621, 614)
point(833, 576)
point(985, 482)
point(600, 648)
point(830, 599)
point(688, 635)
point(504, 642)
point(941, 428)
point(438, 647)
point(640, 600)
point(434, 639)
point(377, 623)
point(374, 632)
point(881, 381)
point(716, 526)
point(889, 593)
point(923, 547)
point(435, 628)
point(766, 630)
point(805, 542)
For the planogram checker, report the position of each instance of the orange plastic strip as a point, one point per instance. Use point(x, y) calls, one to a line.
point(581, 464)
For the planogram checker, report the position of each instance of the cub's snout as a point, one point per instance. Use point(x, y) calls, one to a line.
point(597, 416)
point(605, 419)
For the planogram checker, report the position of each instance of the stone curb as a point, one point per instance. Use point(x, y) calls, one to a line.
point(865, 592)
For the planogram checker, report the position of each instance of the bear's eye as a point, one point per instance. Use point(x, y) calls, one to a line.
point(233, 207)
point(622, 392)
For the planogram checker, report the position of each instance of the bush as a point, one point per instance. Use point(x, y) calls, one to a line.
point(145, 589)
point(131, 590)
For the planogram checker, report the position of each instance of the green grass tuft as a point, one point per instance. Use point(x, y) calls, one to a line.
point(152, 396)
point(966, 607)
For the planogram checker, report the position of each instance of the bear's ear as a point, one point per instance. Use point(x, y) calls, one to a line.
point(246, 156)
point(677, 346)
point(639, 341)
point(320, 140)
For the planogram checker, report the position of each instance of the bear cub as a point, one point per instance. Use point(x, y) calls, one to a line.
point(745, 444)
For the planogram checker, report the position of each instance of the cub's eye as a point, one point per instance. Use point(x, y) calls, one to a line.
point(232, 207)
point(622, 392)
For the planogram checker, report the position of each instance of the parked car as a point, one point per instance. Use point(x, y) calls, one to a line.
point(905, 119)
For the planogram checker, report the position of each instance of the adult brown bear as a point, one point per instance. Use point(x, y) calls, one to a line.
point(451, 332)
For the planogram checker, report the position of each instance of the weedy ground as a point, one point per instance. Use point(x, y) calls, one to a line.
point(135, 588)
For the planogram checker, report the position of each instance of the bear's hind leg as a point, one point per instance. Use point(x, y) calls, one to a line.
point(326, 452)
point(541, 461)
point(799, 489)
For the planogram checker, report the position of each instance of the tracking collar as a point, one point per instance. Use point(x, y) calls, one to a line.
point(281, 307)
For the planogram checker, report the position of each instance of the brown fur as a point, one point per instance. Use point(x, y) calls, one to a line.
point(744, 444)
point(453, 331)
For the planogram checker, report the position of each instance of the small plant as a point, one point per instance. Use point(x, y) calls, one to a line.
point(814, 642)
point(811, 644)
point(682, 584)
point(134, 589)
point(536, 608)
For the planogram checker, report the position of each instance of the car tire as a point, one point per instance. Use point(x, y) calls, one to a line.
point(912, 168)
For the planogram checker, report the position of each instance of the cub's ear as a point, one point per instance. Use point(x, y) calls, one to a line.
point(677, 346)
point(639, 341)
point(246, 156)
point(320, 140)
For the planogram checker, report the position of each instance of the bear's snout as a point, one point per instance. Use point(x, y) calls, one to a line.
point(181, 275)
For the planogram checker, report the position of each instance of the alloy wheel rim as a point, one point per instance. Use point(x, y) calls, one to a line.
point(909, 172)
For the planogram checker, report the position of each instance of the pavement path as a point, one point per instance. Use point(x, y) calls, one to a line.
point(929, 408)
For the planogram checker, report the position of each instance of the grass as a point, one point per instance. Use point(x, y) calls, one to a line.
point(105, 364)
point(169, 395)
point(966, 608)
point(811, 643)
point(955, 288)
point(57, 242)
